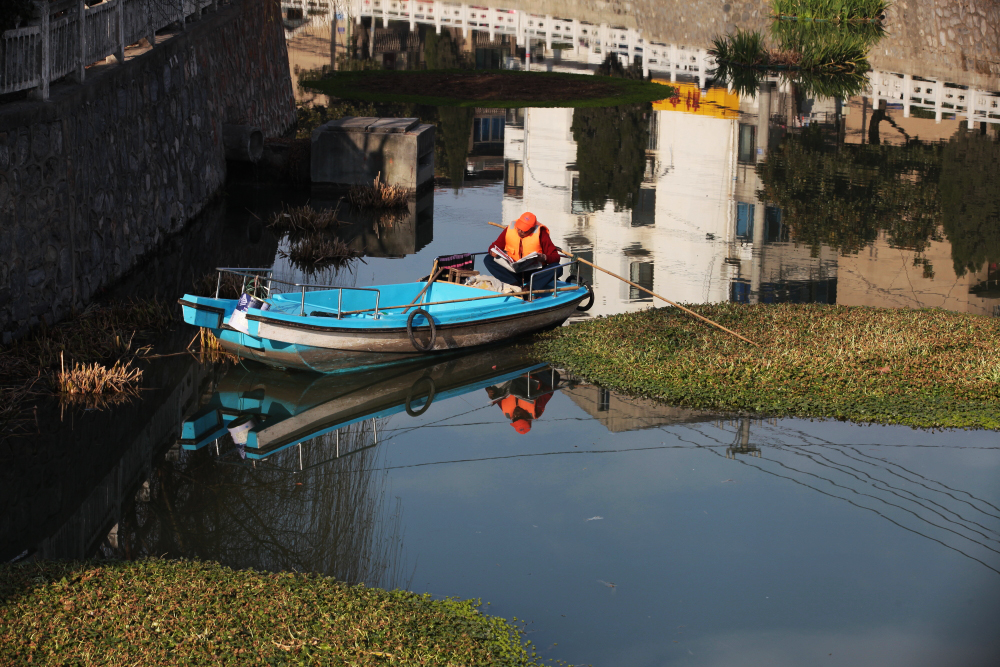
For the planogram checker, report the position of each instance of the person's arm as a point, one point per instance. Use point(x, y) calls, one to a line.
point(501, 241)
point(540, 403)
point(548, 248)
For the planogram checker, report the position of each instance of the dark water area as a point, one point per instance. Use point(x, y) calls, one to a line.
point(618, 530)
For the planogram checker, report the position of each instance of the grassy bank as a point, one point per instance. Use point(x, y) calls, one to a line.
point(161, 612)
point(922, 368)
point(493, 88)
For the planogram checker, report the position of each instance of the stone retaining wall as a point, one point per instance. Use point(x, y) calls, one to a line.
point(93, 181)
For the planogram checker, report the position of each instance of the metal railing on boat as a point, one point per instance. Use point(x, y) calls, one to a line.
point(268, 275)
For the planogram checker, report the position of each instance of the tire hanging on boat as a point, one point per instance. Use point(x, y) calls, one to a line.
point(409, 331)
point(590, 300)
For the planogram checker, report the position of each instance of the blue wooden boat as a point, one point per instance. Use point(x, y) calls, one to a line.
point(332, 329)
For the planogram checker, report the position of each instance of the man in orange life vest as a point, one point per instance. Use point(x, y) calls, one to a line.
point(521, 238)
point(520, 411)
point(523, 399)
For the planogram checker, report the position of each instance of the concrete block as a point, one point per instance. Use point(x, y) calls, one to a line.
point(353, 151)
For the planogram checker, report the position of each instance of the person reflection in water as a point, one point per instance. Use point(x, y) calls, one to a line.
point(521, 238)
point(523, 400)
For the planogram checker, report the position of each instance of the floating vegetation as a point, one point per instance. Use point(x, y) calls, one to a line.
point(102, 333)
point(190, 612)
point(379, 195)
point(96, 384)
point(304, 219)
point(493, 88)
point(922, 368)
point(317, 251)
point(833, 11)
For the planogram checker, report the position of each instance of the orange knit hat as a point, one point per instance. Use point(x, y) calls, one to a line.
point(522, 426)
point(526, 222)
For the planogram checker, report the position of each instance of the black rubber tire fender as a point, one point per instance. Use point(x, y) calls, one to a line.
point(409, 330)
point(589, 299)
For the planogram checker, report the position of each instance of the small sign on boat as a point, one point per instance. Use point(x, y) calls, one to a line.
point(238, 320)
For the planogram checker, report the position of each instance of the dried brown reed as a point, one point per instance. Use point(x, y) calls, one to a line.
point(210, 349)
point(95, 378)
point(101, 332)
point(304, 219)
point(317, 251)
point(379, 195)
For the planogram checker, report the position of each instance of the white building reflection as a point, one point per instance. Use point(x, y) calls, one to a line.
point(697, 230)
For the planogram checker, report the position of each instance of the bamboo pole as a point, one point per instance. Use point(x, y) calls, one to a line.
point(661, 298)
point(675, 305)
point(430, 279)
point(499, 295)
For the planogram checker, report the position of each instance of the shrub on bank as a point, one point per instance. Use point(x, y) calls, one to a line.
point(922, 368)
point(161, 612)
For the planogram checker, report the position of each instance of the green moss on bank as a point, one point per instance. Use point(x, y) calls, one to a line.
point(492, 88)
point(160, 612)
point(922, 368)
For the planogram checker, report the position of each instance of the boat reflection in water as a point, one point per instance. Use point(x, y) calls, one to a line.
point(267, 411)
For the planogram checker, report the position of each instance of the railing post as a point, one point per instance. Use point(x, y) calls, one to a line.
point(81, 19)
point(45, 66)
point(150, 23)
point(180, 11)
point(120, 20)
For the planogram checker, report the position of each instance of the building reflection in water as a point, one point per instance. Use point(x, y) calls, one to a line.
point(696, 226)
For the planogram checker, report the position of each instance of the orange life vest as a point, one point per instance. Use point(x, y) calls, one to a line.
point(511, 401)
point(517, 247)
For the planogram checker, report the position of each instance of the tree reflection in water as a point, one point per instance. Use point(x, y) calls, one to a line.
point(845, 195)
point(332, 516)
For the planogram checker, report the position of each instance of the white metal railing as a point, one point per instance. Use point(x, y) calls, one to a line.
point(68, 35)
point(939, 97)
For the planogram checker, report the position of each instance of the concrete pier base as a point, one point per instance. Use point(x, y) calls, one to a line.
point(354, 150)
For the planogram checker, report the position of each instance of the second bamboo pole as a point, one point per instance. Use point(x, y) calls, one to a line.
point(648, 291)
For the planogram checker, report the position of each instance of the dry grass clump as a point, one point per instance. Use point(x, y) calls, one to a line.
point(924, 368)
point(103, 332)
point(317, 252)
point(96, 378)
point(210, 349)
point(304, 219)
point(379, 195)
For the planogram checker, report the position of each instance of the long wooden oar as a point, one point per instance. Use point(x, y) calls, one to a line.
point(675, 305)
point(430, 279)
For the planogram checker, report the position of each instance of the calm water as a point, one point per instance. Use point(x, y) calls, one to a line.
point(622, 532)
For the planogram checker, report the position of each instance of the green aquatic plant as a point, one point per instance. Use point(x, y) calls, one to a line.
point(163, 612)
point(837, 11)
point(497, 88)
point(922, 368)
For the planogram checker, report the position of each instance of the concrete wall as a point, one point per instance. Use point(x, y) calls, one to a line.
point(94, 180)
